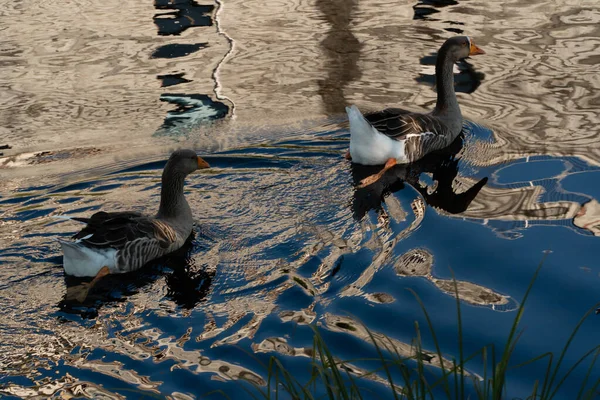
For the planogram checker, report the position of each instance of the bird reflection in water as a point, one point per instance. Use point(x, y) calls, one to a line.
point(443, 165)
point(187, 284)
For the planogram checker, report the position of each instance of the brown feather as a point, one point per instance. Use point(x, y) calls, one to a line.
point(117, 229)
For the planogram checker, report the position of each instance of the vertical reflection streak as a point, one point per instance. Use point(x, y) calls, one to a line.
point(342, 51)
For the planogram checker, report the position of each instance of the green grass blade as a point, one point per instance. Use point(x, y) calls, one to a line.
point(337, 376)
point(419, 359)
point(435, 340)
point(277, 382)
point(353, 386)
point(566, 347)
point(461, 360)
point(535, 389)
point(325, 366)
point(270, 376)
point(493, 379)
point(387, 370)
point(485, 378)
point(584, 383)
point(534, 359)
point(593, 393)
point(500, 373)
point(564, 378)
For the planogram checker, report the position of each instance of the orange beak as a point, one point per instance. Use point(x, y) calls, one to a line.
point(202, 164)
point(474, 50)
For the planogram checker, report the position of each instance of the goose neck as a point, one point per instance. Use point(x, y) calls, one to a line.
point(447, 104)
point(172, 200)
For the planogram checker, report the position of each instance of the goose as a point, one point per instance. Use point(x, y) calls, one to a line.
point(394, 136)
point(443, 165)
point(124, 241)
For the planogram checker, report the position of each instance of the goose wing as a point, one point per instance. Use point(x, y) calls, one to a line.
point(119, 229)
point(400, 124)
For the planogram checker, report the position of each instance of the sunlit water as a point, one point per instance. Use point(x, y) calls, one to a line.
point(283, 239)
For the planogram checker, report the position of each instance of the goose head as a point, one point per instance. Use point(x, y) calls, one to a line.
point(459, 47)
point(184, 162)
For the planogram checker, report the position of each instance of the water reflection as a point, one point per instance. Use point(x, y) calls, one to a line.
point(186, 14)
point(177, 50)
point(292, 253)
point(286, 252)
point(187, 283)
point(280, 346)
point(425, 8)
point(442, 166)
point(588, 217)
point(419, 263)
point(342, 50)
point(172, 79)
point(192, 109)
point(467, 80)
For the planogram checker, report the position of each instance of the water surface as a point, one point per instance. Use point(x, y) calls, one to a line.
point(93, 103)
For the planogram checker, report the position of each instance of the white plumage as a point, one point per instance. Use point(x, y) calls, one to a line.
point(80, 260)
point(368, 146)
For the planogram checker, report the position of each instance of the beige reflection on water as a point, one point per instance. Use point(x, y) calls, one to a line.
point(93, 86)
point(88, 79)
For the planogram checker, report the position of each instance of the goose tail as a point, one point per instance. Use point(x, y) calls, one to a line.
point(79, 260)
point(368, 146)
point(359, 126)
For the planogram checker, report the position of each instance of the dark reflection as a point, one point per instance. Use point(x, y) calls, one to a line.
point(172, 79)
point(177, 50)
point(191, 108)
point(466, 81)
point(185, 14)
point(187, 284)
point(342, 50)
point(4, 147)
point(438, 3)
point(443, 165)
point(455, 30)
point(424, 12)
point(424, 8)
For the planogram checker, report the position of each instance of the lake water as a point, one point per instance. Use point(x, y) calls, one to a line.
point(95, 95)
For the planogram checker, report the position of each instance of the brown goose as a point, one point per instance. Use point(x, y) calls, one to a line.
point(395, 136)
point(119, 242)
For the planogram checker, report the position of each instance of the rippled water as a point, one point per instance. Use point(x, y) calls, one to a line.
point(95, 95)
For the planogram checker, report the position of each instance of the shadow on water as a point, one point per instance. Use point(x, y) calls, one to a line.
point(342, 50)
point(467, 80)
point(187, 284)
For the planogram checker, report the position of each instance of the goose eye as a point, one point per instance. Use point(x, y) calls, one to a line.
point(464, 44)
